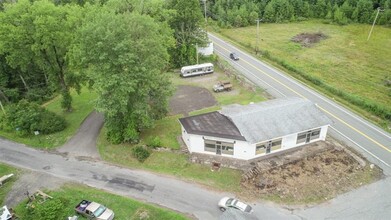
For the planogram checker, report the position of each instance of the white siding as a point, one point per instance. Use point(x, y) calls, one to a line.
point(242, 149)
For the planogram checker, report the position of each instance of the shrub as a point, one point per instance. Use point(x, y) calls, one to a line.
point(154, 142)
point(26, 117)
point(140, 153)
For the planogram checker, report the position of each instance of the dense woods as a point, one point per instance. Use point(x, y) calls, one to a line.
point(239, 13)
point(120, 49)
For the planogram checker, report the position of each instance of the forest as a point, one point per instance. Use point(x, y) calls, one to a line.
point(241, 13)
point(119, 49)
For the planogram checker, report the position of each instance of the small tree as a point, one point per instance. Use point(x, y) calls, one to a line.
point(140, 153)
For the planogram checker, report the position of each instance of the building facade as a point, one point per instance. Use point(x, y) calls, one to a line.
point(255, 130)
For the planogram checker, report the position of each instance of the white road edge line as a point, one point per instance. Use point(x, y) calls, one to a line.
point(360, 146)
point(311, 91)
point(255, 76)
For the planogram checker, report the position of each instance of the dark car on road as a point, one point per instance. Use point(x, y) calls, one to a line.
point(234, 56)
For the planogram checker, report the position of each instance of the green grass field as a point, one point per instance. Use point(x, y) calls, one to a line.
point(82, 106)
point(345, 60)
point(7, 185)
point(71, 195)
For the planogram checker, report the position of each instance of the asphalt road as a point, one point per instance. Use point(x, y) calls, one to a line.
point(369, 202)
point(168, 192)
point(367, 138)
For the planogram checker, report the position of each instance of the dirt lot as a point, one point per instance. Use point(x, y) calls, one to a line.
point(190, 98)
point(313, 179)
point(308, 39)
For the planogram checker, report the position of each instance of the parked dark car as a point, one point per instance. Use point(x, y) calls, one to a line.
point(234, 56)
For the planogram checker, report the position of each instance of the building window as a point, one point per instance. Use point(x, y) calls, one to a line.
point(308, 136)
point(227, 148)
point(210, 146)
point(219, 147)
point(268, 147)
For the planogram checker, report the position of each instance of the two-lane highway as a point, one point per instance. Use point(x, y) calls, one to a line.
point(367, 138)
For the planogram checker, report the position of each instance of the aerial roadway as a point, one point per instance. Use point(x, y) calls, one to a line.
point(370, 140)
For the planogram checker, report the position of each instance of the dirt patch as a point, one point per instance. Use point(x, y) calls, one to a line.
point(190, 98)
point(30, 182)
point(312, 179)
point(308, 39)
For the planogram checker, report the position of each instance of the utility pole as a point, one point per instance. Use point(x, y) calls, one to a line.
point(374, 21)
point(257, 42)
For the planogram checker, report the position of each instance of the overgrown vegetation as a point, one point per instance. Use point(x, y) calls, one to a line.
point(64, 200)
point(82, 106)
point(27, 118)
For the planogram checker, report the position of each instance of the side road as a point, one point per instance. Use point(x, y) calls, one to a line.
point(165, 191)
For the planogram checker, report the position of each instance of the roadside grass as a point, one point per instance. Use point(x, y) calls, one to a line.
point(82, 106)
point(7, 185)
point(345, 61)
point(172, 163)
point(124, 208)
point(166, 129)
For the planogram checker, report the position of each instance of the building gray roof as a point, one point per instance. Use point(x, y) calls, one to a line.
point(211, 124)
point(275, 118)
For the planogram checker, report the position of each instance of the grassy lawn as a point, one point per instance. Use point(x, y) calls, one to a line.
point(170, 160)
point(82, 106)
point(124, 208)
point(172, 163)
point(7, 185)
point(345, 60)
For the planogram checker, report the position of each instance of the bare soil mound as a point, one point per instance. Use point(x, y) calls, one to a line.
point(312, 179)
point(308, 39)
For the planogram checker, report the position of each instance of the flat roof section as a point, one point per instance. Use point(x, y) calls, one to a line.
point(211, 124)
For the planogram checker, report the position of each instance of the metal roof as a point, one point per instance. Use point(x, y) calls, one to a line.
point(275, 118)
point(211, 124)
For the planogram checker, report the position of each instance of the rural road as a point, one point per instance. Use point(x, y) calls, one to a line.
point(348, 127)
point(369, 202)
point(165, 191)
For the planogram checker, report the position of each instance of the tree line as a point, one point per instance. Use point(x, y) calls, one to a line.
point(120, 49)
point(240, 13)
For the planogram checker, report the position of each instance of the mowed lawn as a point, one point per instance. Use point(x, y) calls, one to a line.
point(345, 60)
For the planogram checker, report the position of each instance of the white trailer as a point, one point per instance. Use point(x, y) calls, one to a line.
point(199, 69)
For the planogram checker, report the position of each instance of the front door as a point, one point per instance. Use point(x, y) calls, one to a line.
point(218, 148)
point(308, 138)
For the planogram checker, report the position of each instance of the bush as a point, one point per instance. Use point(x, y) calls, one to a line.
point(26, 117)
point(140, 153)
point(154, 142)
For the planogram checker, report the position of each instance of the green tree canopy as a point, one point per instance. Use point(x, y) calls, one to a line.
point(126, 68)
point(40, 34)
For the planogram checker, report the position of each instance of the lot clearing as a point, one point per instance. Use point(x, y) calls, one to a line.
point(313, 179)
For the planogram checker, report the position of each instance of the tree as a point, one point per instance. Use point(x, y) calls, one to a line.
point(126, 68)
point(40, 34)
point(364, 11)
point(340, 17)
point(186, 24)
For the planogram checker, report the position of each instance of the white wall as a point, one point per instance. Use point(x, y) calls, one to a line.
point(242, 149)
point(206, 51)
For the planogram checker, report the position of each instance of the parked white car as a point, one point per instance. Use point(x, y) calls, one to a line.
point(228, 202)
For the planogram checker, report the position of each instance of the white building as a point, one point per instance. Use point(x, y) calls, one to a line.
point(207, 50)
point(247, 132)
